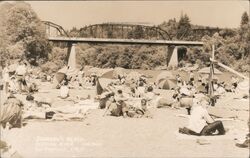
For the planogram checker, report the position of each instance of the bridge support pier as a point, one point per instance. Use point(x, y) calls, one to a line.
point(71, 56)
point(172, 56)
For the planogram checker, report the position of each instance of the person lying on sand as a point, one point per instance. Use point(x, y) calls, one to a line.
point(37, 102)
point(155, 100)
point(246, 142)
point(64, 112)
point(201, 123)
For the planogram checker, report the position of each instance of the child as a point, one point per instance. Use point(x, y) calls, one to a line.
point(64, 91)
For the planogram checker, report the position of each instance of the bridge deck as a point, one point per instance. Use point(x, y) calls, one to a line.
point(124, 41)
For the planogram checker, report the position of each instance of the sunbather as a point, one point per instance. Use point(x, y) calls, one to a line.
point(64, 91)
point(116, 105)
point(11, 112)
point(201, 123)
point(246, 142)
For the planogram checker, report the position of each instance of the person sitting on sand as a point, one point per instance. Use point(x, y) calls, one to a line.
point(191, 77)
point(116, 107)
point(132, 93)
point(199, 78)
point(93, 79)
point(201, 123)
point(122, 79)
point(140, 89)
point(179, 80)
point(32, 88)
point(220, 90)
point(234, 81)
point(143, 111)
point(120, 102)
point(64, 90)
point(11, 112)
point(111, 107)
point(185, 98)
point(12, 85)
point(103, 99)
point(150, 96)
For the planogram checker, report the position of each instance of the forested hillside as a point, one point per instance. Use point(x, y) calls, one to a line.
point(22, 36)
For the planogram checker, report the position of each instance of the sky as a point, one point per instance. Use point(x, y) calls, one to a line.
point(80, 13)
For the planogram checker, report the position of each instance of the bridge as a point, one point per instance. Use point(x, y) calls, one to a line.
point(119, 33)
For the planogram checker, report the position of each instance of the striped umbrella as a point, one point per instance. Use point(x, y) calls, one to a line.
point(167, 84)
point(164, 75)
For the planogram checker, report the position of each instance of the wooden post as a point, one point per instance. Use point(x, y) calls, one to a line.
point(211, 76)
point(233, 71)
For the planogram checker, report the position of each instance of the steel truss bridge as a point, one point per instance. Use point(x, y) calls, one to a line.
point(119, 33)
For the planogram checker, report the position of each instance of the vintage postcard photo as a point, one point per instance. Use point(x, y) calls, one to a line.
point(124, 79)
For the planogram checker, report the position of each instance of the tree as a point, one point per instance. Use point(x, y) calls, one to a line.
point(74, 32)
point(170, 27)
point(24, 26)
point(184, 27)
point(244, 19)
point(244, 36)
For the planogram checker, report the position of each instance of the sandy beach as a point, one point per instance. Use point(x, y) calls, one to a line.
point(98, 136)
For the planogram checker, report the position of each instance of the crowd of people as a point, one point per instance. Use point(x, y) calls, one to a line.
point(123, 96)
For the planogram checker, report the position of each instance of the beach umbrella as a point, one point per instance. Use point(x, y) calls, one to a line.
point(119, 71)
point(108, 74)
point(206, 70)
point(63, 70)
point(60, 76)
point(104, 82)
point(243, 86)
point(105, 72)
point(167, 84)
point(164, 75)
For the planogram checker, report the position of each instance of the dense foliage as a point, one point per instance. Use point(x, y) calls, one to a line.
point(22, 35)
